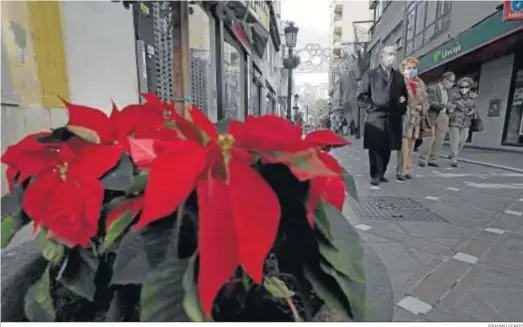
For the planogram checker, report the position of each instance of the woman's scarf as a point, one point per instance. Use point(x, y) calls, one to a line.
point(413, 86)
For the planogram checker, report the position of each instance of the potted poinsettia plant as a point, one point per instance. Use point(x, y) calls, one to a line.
point(152, 215)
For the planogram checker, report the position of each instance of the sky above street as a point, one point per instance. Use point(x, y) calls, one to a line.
point(312, 18)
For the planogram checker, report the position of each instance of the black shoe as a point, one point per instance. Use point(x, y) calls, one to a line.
point(433, 164)
point(384, 179)
point(454, 164)
point(375, 181)
point(408, 176)
point(422, 164)
point(401, 178)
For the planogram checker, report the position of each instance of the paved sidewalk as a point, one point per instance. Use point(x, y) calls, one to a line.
point(451, 238)
point(498, 159)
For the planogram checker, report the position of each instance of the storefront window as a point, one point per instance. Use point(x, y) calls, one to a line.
point(256, 95)
point(269, 103)
point(203, 73)
point(232, 80)
point(514, 119)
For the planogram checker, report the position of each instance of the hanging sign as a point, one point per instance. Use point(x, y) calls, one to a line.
point(512, 10)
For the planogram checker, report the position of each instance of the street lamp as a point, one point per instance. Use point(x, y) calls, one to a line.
point(291, 62)
point(329, 110)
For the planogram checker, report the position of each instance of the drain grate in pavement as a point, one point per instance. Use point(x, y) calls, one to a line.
point(394, 208)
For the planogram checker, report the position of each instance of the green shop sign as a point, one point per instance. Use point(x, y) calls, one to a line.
point(469, 40)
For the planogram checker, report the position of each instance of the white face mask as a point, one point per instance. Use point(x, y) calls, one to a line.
point(389, 60)
point(411, 72)
point(464, 91)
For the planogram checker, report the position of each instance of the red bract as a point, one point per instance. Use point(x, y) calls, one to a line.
point(133, 205)
point(172, 177)
point(27, 157)
point(93, 124)
point(66, 196)
point(330, 188)
point(237, 228)
point(268, 133)
point(323, 137)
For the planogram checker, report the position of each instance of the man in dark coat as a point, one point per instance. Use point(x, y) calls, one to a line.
point(382, 93)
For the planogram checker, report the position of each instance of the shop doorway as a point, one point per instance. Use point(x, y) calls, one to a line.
point(513, 129)
point(153, 23)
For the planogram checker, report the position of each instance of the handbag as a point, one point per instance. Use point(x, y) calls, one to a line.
point(425, 127)
point(476, 125)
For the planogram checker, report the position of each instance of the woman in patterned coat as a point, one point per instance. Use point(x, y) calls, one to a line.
point(461, 117)
point(417, 107)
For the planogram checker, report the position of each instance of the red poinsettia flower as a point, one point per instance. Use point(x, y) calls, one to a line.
point(26, 158)
point(329, 188)
point(95, 126)
point(218, 170)
point(164, 122)
point(66, 195)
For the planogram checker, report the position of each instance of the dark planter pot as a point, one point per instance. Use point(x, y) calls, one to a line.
point(23, 265)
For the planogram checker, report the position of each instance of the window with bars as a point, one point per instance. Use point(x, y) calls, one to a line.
point(425, 21)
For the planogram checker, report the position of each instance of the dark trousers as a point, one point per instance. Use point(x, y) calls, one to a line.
point(378, 162)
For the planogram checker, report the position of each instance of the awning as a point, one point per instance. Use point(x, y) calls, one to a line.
point(254, 17)
point(486, 31)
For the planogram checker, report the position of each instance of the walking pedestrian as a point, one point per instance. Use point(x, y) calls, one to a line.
point(352, 127)
point(460, 118)
point(417, 107)
point(440, 96)
point(382, 93)
point(344, 126)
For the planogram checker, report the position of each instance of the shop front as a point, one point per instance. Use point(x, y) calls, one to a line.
point(488, 54)
point(242, 31)
point(513, 127)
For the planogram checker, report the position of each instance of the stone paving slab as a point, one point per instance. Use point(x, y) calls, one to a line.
point(488, 294)
point(457, 268)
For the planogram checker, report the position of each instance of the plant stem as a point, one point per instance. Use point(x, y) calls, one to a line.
point(178, 227)
point(295, 314)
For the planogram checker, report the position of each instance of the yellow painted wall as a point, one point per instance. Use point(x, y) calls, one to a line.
point(33, 36)
point(48, 40)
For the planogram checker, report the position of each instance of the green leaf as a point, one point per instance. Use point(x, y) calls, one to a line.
point(162, 293)
point(117, 227)
point(350, 184)
point(309, 162)
point(38, 302)
point(78, 272)
point(11, 224)
point(325, 290)
point(346, 264)
point(130, 266)
point(321, 221)
point(277, 288)
point(340, 260)
point(120, 177)
point(354, 291)
point(85, 133)
point(13, 219)
point(51, 250)
point(139, 183)
point(191, 305)
point(349, 259)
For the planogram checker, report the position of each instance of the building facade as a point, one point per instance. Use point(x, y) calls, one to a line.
point(350, 21)
point(220, 55)
point(470, 40)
